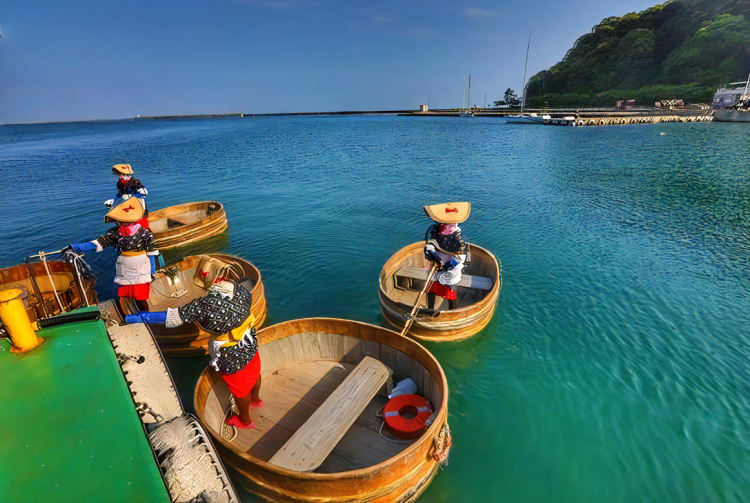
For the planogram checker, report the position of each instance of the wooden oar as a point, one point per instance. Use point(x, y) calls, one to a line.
point(411, 317)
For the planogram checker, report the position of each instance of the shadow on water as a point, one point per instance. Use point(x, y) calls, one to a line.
point(214, 244)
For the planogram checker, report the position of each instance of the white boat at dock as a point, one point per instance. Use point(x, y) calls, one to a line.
point(527, 119)
point(731, 103)
point(732, 115)
point(467, 112)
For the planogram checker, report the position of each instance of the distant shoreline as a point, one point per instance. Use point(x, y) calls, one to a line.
point(442, 112)
point(215, 116)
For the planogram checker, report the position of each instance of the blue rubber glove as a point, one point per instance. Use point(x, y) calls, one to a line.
point(81, 248)
point(151, 317)
point(152, 259)
point(451, 263)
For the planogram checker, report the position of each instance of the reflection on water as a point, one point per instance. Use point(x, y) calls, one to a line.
point(209, 245)
point(615, 368)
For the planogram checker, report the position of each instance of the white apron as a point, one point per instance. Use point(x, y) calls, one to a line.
point(132, 270)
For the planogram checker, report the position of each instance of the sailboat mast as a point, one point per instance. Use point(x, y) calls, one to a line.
point(523, 99)
point(468, 104)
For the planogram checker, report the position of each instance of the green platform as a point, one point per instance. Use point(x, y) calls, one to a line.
point(70, 431)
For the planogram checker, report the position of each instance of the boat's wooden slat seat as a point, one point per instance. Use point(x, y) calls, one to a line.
point(311, 444)
point(467, 281)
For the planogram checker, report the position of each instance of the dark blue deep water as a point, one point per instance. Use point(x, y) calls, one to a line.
point(617, 367)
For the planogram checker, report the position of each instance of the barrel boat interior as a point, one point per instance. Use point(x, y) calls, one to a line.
point(308, 372)
point(38, 287)
point(173, 286)
point(403, 278)
point(188, 215)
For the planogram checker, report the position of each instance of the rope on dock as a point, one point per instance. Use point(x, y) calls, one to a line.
point(43, 258)
point(187, 460)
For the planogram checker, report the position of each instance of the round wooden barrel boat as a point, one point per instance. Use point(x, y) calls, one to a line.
point(186, 223)
point(173, 286)
point(38, 287)
point(319, 435)
point(403, 276)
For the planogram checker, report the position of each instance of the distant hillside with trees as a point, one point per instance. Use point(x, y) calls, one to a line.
point(677, 49)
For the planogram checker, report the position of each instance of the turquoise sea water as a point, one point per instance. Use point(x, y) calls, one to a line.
point(617, 367)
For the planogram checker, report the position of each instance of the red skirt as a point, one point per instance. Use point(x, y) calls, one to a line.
point(240, 383)
point(138, 292)
point(444, 291)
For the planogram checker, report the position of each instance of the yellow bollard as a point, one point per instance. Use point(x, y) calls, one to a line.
point(16, 320)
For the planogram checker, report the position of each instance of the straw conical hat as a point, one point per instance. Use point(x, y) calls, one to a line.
point(128, 211)
point(210, 268)
point(122, 169)
point(449, 213)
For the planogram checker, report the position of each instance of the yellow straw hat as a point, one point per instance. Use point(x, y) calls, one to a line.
point(210, 268)
point(449, 213)
point(128, 211)
point(122, 169)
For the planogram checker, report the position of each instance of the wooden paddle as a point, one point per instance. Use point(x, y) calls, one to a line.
point(411, 317)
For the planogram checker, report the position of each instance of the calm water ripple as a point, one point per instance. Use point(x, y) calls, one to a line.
point(616, 367)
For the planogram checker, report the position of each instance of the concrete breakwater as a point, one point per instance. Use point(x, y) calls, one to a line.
point(635, 119)
point(590, 117)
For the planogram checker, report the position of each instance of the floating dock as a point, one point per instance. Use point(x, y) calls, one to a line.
point(71, 430)
point(92, 414)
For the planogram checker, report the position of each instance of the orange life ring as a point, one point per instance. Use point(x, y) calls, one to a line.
point(406, 415)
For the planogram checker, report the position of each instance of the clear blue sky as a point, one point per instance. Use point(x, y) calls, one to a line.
point(70, 60)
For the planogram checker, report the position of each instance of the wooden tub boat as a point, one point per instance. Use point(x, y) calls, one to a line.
point(403, 276)
point(318, 435)
point(173, 286)
point(38, 287)
point(186, 223)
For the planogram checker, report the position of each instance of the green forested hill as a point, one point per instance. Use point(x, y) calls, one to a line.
point(678, 49)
